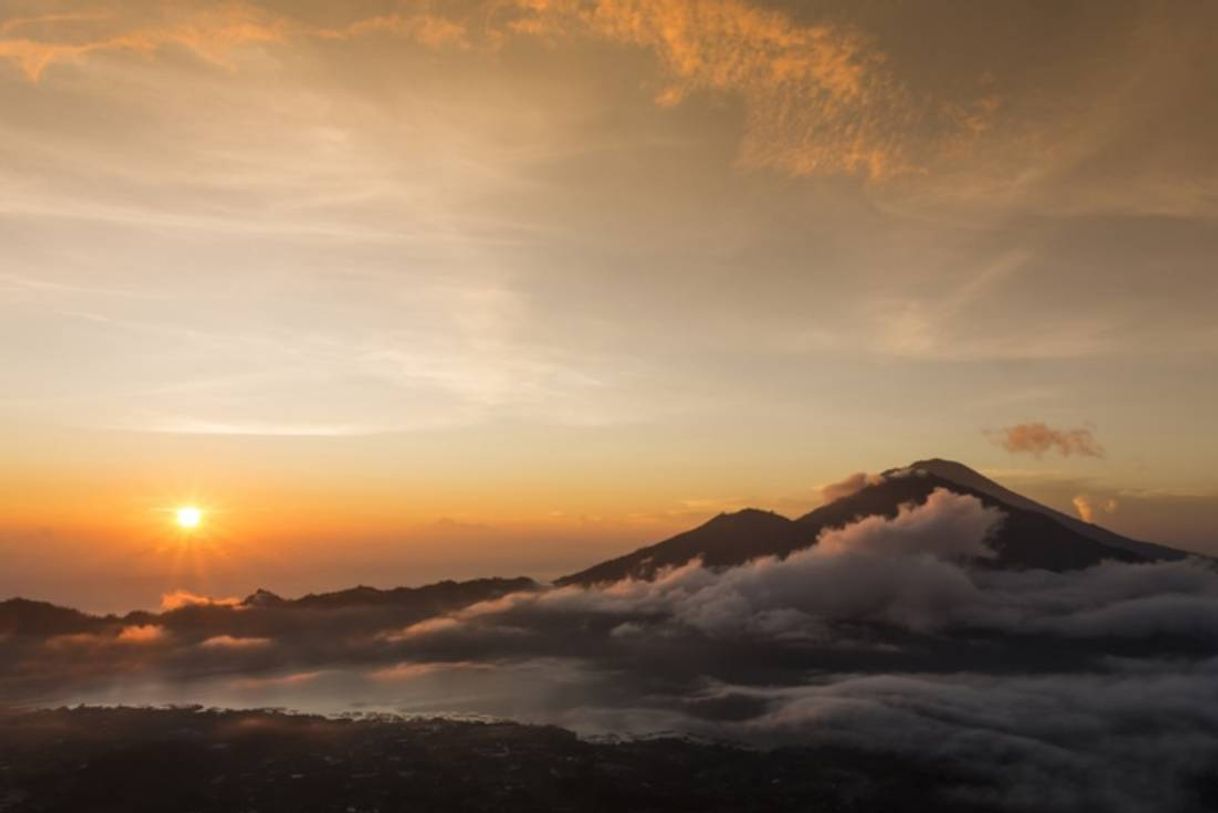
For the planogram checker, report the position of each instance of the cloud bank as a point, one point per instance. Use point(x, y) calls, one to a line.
point(1061, 691)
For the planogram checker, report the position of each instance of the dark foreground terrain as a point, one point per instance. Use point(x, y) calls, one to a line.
point(92, 759)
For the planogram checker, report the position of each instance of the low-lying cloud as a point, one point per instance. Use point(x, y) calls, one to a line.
point(184, 598)
point(1089, 689)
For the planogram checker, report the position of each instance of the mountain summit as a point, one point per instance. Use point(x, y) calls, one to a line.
point(1031, 536)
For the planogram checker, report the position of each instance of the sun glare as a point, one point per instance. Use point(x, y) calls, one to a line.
point(188, 517)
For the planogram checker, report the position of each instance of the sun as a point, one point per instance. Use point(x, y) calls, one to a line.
point(188, 517)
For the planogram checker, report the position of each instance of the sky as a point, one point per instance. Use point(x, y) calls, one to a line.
point(401, 291)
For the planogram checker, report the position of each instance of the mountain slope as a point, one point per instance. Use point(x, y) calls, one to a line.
point(964, 476)
point(1031, 535)
point(726, 540)
point(20, 616)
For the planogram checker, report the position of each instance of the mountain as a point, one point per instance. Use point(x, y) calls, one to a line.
point(1031, 536)
point(967, 478)
point(263, 612)
point(20, 616)
point(726, 540)
point(439, 597)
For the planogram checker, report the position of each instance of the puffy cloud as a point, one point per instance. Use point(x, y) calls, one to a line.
point(895, 570)
point(947, 525)
point(1086, 512)
point(1061, 691)
point(1087, 508)
point(1038, 438)
point(912, 572)
point(1126, 739)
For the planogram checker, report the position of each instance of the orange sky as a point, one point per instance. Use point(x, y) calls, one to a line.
point(406, 290)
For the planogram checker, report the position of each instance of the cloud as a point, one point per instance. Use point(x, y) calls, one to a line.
point(915, 572)
point(184, 598)
point(422, 27)
point(1087, 508)
point(413, 671)
point(1089, 689)
point(231, 642)
point(947, 526)
point(141, 634)
point(1126, 739)
point(428, 627)
point(819, 98)
point(211, 31)
point(1039, 438)
point(851, 485)
point(279, 681)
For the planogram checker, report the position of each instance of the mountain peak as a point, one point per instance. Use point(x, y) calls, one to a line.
point(262, 598)
point(747, 515)
point(967, 478)
point(940, 467)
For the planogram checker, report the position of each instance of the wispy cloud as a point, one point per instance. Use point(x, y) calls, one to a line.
point(211, 31)
point(819, 97)
point(850, 485)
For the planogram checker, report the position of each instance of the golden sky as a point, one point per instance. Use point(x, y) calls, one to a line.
point(406, 290)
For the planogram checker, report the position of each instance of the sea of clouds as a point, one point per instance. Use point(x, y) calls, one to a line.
point(1091, 689)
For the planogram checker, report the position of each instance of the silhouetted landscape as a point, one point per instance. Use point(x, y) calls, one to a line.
point(928, 639)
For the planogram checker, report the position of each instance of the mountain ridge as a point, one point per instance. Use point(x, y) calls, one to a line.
point(262, 610)
point(1032, 536)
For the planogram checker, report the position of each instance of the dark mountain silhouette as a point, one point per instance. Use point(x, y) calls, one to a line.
point(20, 616)
point(263, 612)
point(441, 596)
point(726, 540)
point(963, 476)
point(1030, 536)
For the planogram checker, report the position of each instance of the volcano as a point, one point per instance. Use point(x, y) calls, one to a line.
point(1031, 535)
